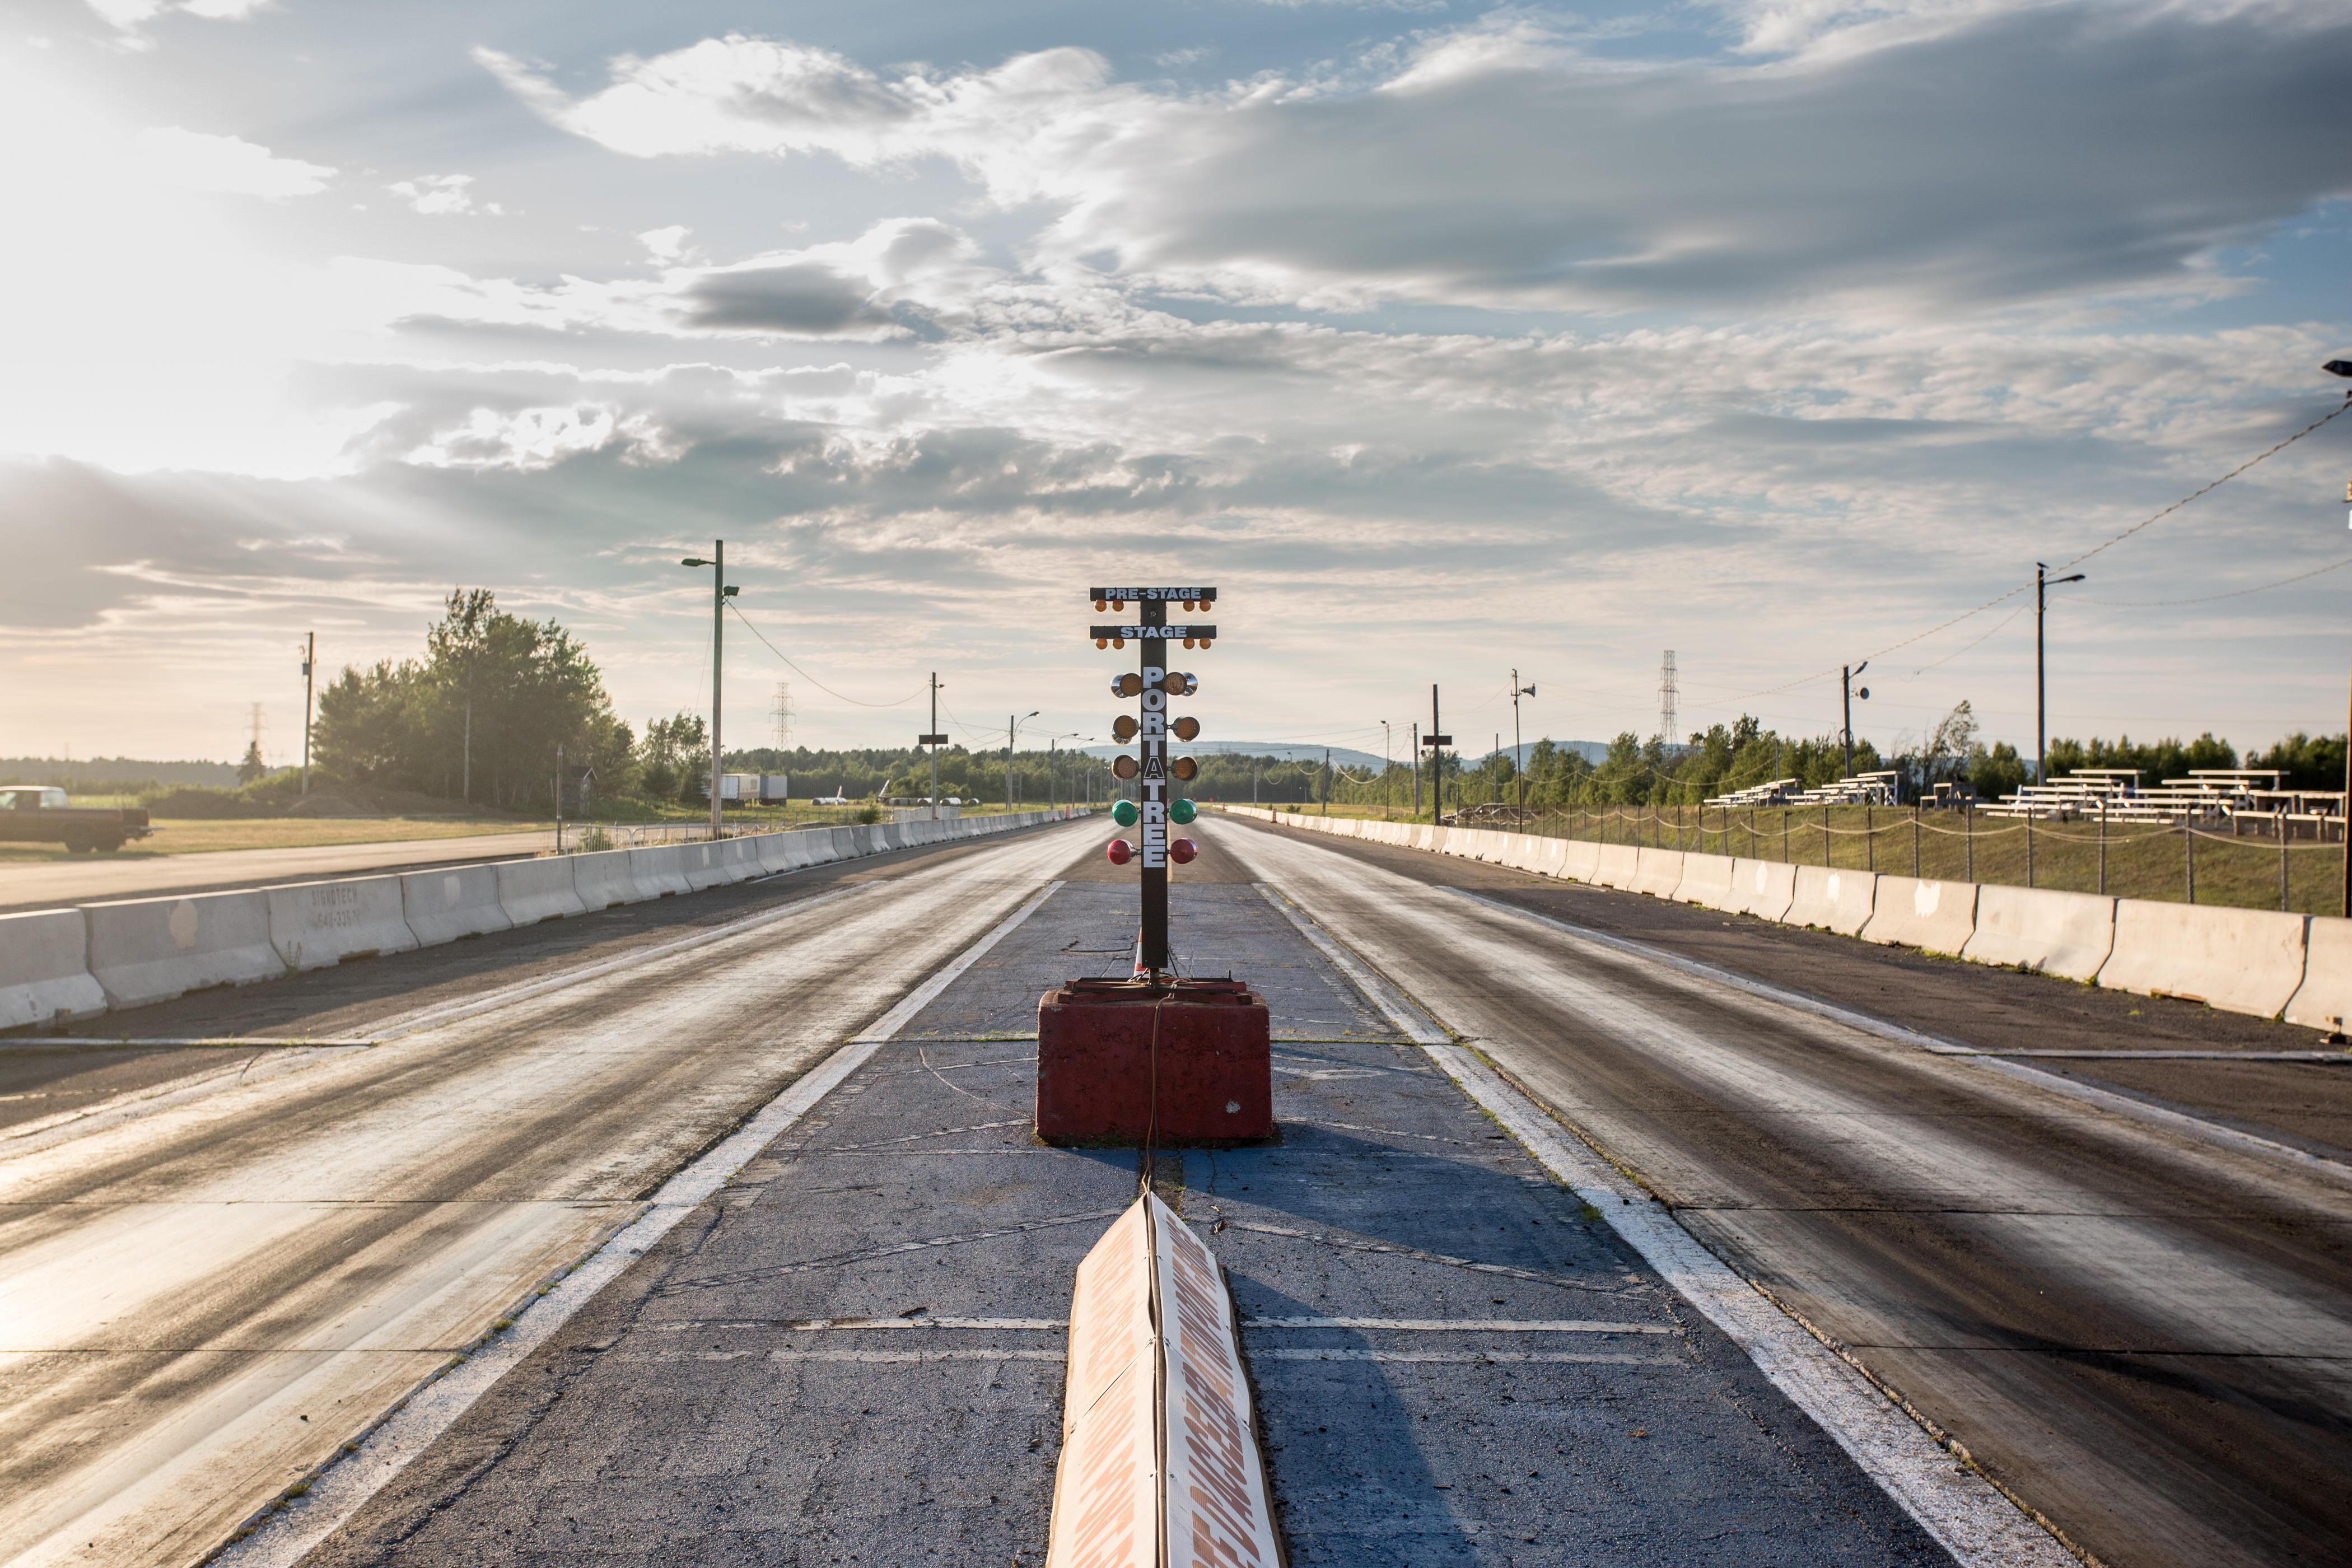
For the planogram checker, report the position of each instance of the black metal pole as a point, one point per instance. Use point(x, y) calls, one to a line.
point(1436, 762)
point(1153, 779)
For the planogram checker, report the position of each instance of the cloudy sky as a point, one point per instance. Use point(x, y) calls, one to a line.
point(1443, 338)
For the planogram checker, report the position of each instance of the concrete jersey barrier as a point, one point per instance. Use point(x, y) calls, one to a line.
point(444, 905)
point(603, 880)
point(2240, 960)
point(1615, 865)
point(1764, 888)
point(315, 925)
point(1657, 872)
point(45, 968)
point(1580, 861)
point(2324, 1000)
point(1838, 900)
point(1706, 881)
point(659, 870)
point(152, 950)
point(1934, 917)
point(535, 890)
point(2066, 935)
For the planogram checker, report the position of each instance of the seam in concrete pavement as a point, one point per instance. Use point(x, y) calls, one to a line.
point(1981, 1523)
point(278, 1534)
point(1935, 1045)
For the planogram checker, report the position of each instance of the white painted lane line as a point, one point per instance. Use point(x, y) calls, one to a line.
point(890, 1356)
point(1973, 1521)
point(279, 1539)
point(1465, 1325)
point(1473, 1357)
point(1355, 1244)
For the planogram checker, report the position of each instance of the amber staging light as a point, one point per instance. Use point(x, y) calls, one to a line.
point(1186, 729)
point(1123, 767)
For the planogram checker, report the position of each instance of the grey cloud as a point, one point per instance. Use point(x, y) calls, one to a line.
point(2058, 151)
point(802, 298)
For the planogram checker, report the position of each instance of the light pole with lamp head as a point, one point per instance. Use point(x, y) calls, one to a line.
point(720, 594)
point(1012, 730)
point(1518, 772)
point(2343, 367)
point(2041, 580)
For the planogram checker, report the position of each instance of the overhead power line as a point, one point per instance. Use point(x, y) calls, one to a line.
point(812, 680)
point(2208, 598)
point(2024, 587)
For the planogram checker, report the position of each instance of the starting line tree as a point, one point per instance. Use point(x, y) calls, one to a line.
point(1153, 683)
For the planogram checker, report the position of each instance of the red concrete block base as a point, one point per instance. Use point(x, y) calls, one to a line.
point(1095, 1061)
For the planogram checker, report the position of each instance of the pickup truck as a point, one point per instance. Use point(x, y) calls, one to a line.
point(34, 814)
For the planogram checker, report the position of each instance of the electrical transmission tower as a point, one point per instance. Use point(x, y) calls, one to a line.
point(258, 726)
point(781, 715)
point(1667, 692)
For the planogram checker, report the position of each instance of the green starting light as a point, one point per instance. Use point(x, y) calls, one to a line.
point(1181, 812)
point(1124, 812)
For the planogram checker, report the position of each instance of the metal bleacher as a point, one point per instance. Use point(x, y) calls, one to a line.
point(2240, 797)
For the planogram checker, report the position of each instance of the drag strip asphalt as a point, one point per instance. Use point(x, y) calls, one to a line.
point(203, 1303)
point(852, 1352)
point(2144, 1335)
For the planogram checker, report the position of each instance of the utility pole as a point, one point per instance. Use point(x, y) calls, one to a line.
point(1436, 741)
point(559, 797)
point(1519, 768)
point(1846, 679)
point(1416, 770)
point(2041, 580)
point(1327, 781)
point(310, 657)
point(934, 739)
point(720, 594)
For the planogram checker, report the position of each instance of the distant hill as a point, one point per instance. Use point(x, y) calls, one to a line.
point(115, 770)
point(1345, 757)
point(1341, 756)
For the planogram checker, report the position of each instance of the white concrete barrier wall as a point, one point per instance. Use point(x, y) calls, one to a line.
point(2065, 934)
point(1838, 900)
point(659, 870)
point(1763, 888)
point(1934, 917)
point(603, 879)
point(2240, 960)
point(2324, 1000)
point(535, 890)
point(152, 950)
point(2246, 961)
point(444, 905)
point(1706, 881)
point(45, 968)
point(1657, 872)
point(315, 925)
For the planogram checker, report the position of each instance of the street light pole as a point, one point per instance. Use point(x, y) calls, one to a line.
point(2343, 367)
point(1518, 772)
point(720, 594)
point(310, 659)
point(1012, 729)
point(2041, 580)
